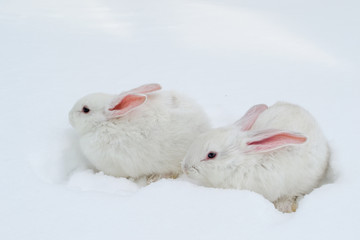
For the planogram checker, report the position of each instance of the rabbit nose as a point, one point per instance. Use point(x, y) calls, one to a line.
point(71, 119)
point(188, 169)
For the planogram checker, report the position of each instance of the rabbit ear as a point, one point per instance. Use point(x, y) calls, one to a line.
point(271, 139)
point(247, 121)
point(147, 88)
point(123, 105)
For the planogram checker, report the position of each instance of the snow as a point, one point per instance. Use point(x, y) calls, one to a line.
point(227, 55)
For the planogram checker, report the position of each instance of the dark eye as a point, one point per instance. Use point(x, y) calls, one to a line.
point(85, 109)
point(211, 155)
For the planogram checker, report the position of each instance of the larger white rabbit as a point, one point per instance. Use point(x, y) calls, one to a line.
point(279, 152)
point(138, 133)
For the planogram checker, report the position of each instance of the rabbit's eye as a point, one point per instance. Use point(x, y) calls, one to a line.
point(85, 109)
point(211, 155)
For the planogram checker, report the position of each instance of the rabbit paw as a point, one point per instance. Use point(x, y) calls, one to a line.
point(286, 204)
point(155, 177)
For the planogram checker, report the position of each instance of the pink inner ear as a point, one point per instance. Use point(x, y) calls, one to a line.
point(248, 120)
point(146, 88)
point(127, 104)
point(276, 141)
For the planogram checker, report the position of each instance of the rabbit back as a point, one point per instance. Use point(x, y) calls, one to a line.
point(292, 170)
point(150, 140)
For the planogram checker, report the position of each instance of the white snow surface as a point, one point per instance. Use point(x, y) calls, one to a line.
point(227, 55)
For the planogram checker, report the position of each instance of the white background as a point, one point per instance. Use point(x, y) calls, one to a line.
point(227, 55)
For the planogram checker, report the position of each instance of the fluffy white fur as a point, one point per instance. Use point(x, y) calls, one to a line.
point(281, 174)
point(151, 139)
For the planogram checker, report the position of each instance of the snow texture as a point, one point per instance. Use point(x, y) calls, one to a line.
point(227, 55)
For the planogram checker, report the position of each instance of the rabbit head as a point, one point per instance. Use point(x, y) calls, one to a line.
point(214, 155)
point(97, 108)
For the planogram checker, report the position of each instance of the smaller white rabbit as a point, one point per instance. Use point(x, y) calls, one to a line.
point(139, 133)
point(279, 152)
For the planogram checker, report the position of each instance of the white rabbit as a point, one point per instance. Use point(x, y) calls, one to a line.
point(139, 133)
point(279, 152)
